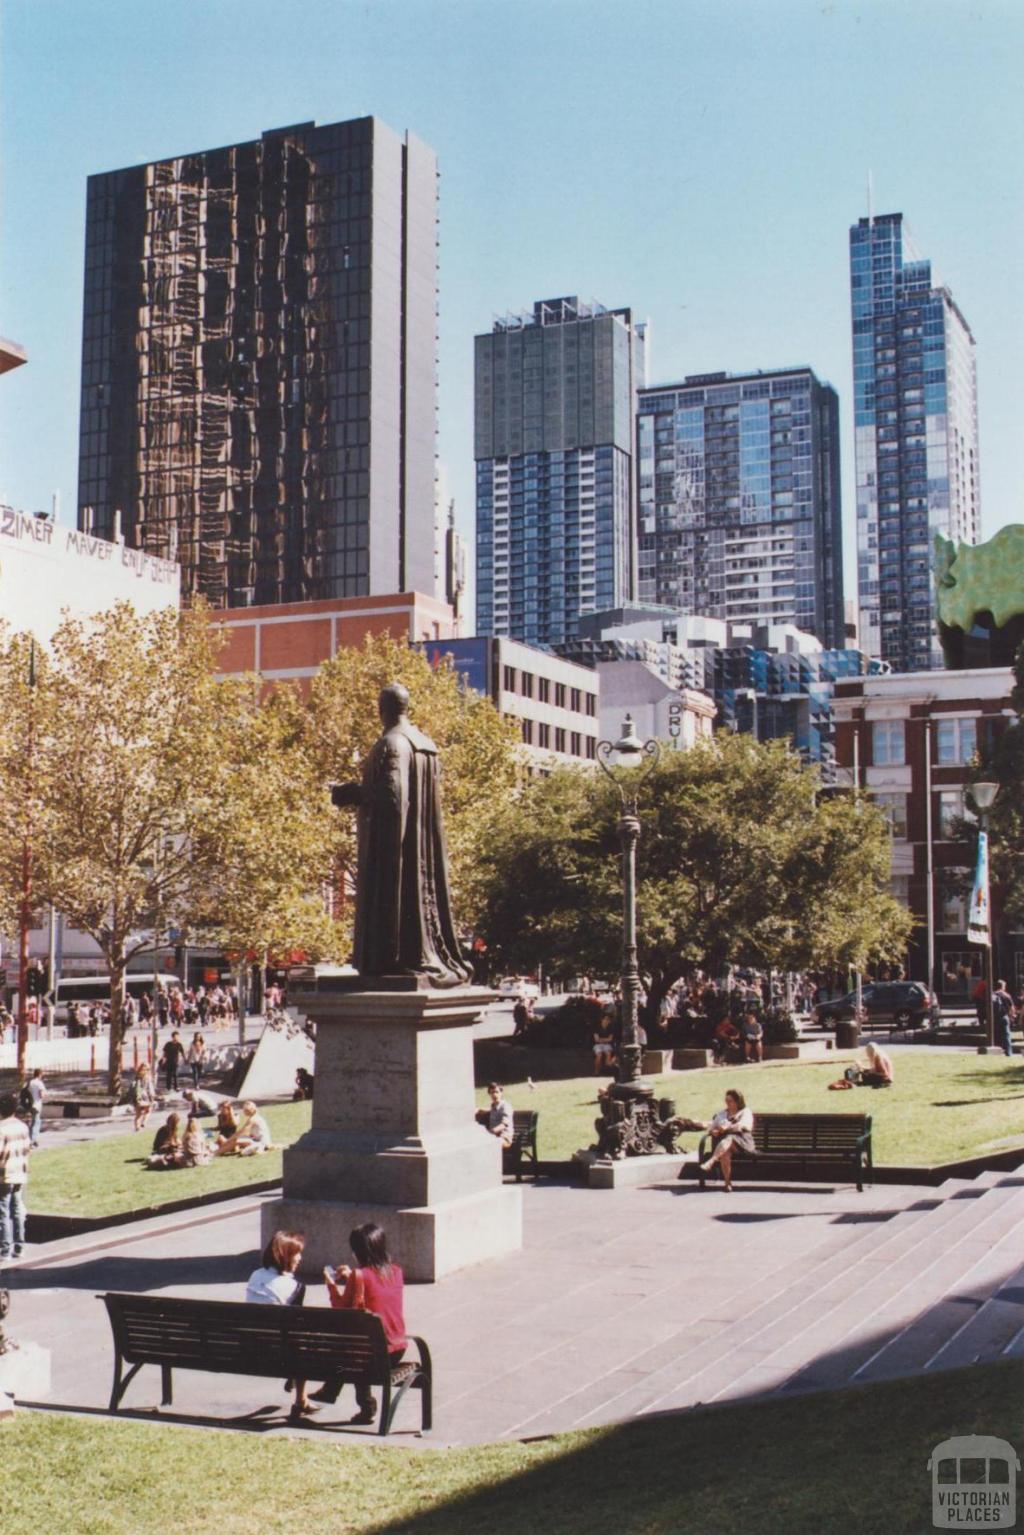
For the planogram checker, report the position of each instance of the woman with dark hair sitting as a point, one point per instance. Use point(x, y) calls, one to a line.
point(275, 1284)
point(167, 1150)
point(375, 1285)
point(731, 1126)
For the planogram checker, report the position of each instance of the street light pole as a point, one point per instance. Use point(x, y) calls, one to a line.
point(620, 761)
point(984, 795)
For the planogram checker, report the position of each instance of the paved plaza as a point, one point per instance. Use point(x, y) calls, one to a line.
point(620, 1303)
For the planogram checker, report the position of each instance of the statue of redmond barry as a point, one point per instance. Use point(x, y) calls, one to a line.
point(403, 920)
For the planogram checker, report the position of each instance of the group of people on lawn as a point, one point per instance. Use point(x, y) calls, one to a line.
point(243, 1134)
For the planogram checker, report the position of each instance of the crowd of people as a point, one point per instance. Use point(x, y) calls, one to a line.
point(181, 1141)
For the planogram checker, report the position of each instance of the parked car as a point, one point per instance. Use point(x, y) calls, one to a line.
point(514, 987)
point(896, 1004)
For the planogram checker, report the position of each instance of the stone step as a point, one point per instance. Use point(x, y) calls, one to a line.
point(918, 1311)
point(991, 1330)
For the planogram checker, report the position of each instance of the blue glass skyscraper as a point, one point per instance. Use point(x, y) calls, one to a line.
point(554, 409)
point(916, 420)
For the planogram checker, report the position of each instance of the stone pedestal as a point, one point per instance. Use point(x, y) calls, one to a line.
point(24, 1376)
point(393, 1138)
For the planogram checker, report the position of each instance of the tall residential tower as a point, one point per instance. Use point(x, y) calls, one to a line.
point(916, 417)
point(738, 500)
point(555, 399)
point(259, 392)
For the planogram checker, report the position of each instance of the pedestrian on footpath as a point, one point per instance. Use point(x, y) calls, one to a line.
point(1003, 1016)
point(171, 1057)
point(142, 1096)
point(38, 1092)
point(15, 1147)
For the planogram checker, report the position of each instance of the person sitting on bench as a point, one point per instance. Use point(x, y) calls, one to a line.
point(375, 1284)
point(498, 1118)
point(731, 1126)
point(275, 1284)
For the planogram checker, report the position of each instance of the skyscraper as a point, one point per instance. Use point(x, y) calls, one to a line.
point(259, 395)
point(739, 513)
point(916, 417)
point(555, 400)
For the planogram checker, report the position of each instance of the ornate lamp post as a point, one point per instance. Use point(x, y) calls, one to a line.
point(984, 795)
point(628, 763)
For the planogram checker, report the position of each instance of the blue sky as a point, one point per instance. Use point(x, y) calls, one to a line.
point(700, 162)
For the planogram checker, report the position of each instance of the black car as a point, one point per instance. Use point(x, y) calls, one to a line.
point(898, 1004)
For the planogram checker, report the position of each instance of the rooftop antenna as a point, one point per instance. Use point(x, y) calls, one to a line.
point(871, 200)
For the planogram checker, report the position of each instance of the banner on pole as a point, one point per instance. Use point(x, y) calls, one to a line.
point(978, 925)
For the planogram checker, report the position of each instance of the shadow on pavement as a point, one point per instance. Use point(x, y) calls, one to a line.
point(128, 1273)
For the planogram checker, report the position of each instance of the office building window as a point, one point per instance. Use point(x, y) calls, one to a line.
point(894, 808)
point(575, 700)
point(543, 690)
point(888, 743)
point(559, 740)
point(527, 729)
point(575, 742)
point(591, 748)
point(526, 684)
point(956, 742)
point(510, 679)
point(544, 736)
point(952, 810)
point(954, 891)
point(559, 695)
point(592, 705)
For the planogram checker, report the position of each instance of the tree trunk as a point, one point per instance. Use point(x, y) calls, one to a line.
point(118, 989)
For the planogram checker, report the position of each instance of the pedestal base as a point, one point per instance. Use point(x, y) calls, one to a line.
point(24, 1374)
point(431, 1240)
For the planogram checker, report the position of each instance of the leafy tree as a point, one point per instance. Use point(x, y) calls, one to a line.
point(1006, 767)
point(163, 799)
point(740, 860)
point(480, 752)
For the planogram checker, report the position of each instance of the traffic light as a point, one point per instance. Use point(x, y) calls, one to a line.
point(36, 979)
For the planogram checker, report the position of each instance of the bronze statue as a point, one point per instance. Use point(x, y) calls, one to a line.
point(404, 923)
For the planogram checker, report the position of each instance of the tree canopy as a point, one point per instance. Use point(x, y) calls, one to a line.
point(1006, 766)
point(740, 860)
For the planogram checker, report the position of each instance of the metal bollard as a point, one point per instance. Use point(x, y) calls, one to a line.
point(92, 1059)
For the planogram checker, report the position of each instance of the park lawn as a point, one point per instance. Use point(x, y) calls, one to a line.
point(796, 1466)
point(109, 1176)
point(942, 1107)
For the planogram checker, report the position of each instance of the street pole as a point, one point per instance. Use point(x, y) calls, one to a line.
point(629, 1051)
point(984, 793)
point(26, 875)
point(51, 970)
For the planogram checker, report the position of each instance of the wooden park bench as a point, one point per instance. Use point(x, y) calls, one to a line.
point(284, 1342)
point(794, 1144)
point(524, 1144)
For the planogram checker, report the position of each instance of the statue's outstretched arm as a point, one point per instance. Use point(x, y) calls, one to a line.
point(347, 796)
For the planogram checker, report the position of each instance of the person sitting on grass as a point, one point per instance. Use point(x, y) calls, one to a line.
point(251, 1137)
point(879, 1070)
point(194, 1150)
point(732, 1126)
point(376, 1285)
point(167, 1147)
point(201, 1104)
point(275, 1284)
point(497, 1120)
point(227, 1122)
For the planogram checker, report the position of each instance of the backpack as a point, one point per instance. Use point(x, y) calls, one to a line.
point(25, 1100)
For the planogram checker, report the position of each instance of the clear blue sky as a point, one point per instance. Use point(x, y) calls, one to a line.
point(698, 160)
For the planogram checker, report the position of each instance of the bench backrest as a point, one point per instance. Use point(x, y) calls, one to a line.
point(837, 1134)
point(524, 1123)
point(226, 1336)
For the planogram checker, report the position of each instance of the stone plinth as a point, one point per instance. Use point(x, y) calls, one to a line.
point(632, 1172)
point(24, 1375)
point(393, 1138)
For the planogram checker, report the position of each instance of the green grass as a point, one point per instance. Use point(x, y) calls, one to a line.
point(109, 1176)
point(942, 1107)
point(793, 1467)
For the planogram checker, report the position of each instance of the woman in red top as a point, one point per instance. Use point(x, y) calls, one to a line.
point(375, 1285)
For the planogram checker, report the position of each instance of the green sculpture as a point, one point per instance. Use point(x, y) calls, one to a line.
point(980, 591)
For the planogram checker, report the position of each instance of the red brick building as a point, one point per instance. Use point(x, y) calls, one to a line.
point(909, 739)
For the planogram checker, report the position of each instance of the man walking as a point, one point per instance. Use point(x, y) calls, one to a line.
point(172, 1053)
point(1002, 1015)
point(37, 1093)
point(14, 1151)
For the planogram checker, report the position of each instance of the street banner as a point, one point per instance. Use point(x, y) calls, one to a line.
point(978, 929)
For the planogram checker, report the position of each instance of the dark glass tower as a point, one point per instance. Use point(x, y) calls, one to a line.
point(259, 364)
point(739, 513)
point(555, 393)
point(916, 417)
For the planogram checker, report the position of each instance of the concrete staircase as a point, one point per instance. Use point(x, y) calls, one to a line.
point(939, 1284)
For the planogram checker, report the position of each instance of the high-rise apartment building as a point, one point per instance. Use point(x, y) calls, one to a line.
point(916, 418)
point(738, 499)
point(259, 391)
point(555, 402)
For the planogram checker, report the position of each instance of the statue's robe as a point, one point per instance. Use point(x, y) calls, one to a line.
point(403, 912)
